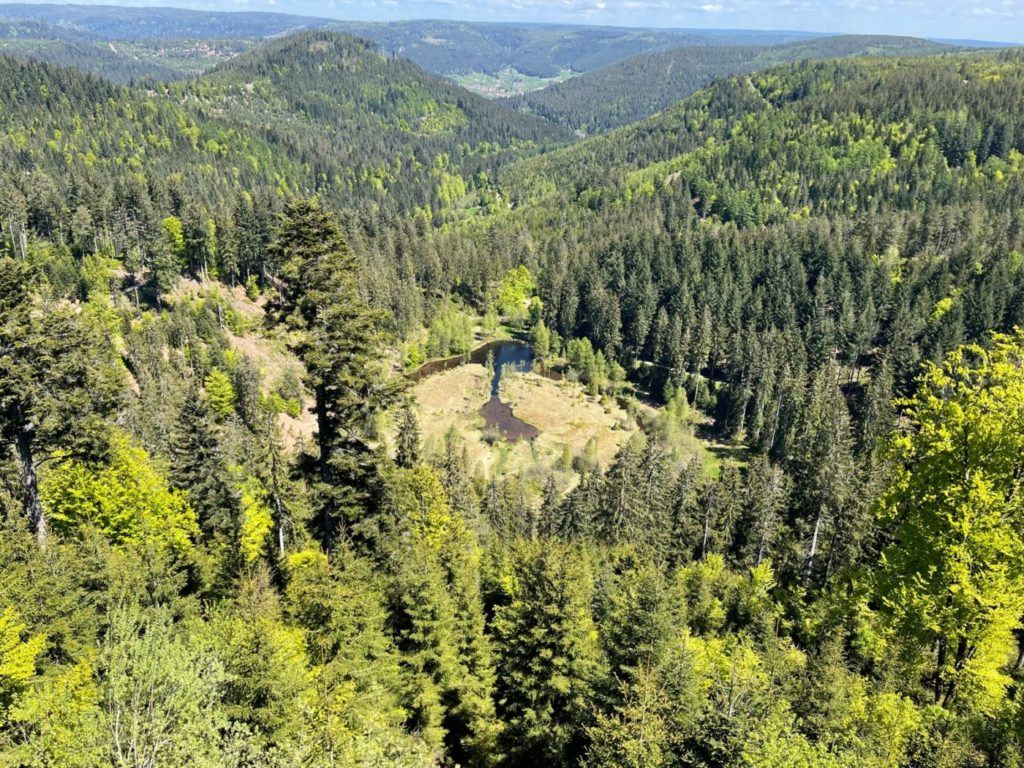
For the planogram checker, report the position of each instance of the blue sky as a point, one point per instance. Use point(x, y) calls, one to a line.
point(1001, 20)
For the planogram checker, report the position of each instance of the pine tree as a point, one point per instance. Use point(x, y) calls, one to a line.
point(200, 469)
point(547, 657)
point(265, 661)
point(764, 500)
point(620, 511)
point(578, 510)
point(285, 494)
point(354, 707)
point(877, 414)
point(457, 482)
point(825, 478)
point(408, 453)
point(685, 518)
point(547, 514)
point(339, 339)
point(632, 610)
point(637, 733)
point(58, 383)
point(438, 619)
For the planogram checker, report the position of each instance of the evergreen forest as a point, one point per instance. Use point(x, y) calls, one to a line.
point(775, 313)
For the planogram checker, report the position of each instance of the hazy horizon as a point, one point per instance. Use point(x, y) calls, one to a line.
point(982, 20)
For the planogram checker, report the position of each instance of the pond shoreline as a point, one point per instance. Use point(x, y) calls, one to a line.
point(498, 415)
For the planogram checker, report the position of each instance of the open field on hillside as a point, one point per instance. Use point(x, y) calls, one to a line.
point(560, 410)
point(508, 82)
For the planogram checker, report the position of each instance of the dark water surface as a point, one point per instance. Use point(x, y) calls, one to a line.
point(497, 415)
point(512, 353)
point(504, 351)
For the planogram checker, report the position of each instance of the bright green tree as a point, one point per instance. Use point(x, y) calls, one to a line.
point(516, 287)
point(636, 734)
point(59, 722)
point(59, 380)
point(160, 692)
point(126, 498)
point(220, 394)
point(951, 584)
point(18, 652)
point(264, 662)
point(354, 707)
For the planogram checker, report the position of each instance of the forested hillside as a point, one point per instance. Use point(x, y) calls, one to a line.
point(638, 87)
point(793, 300)
point(865, 202)
point(540, 50)
point(126, 23)
point(123, 62)
point(441, 47)
point(313, 113)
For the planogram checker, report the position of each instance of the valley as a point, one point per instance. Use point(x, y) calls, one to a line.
point(508, 82)
point(436, 393)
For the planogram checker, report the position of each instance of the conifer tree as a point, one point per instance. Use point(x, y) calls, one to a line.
point(220, 394)
point(547, 515)
point(877, 414)
point(825, 476)
point(684, 511)
point(637, 733)
point(265, 662)
point(632, 610)
point(547, 657)
point(764, 500)
point(58, 382)
point(457, 482)
point(408, 453)
point(438, 618)
point(339, 338)
point(200, 469)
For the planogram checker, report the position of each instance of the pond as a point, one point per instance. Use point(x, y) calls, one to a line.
point(504, 355)
point(513, 354)
point(504, 351)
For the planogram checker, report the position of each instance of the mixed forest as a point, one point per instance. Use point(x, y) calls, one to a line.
point(816, 266)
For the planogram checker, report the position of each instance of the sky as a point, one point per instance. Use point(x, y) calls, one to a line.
point(999, 20)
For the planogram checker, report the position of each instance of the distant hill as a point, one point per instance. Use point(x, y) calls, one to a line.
point(641, 86)
point(538, 50)
point(448, 48)
point(110, 22)
point(38, 40)
point(315, 112)
point(736, 134)
point(117, 61)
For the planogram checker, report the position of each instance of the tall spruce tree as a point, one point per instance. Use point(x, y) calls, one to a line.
point(548, 660)
point(407, 454)
point(200, 469)
point(825, 476)
point(330, 326)
point(764, 499)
